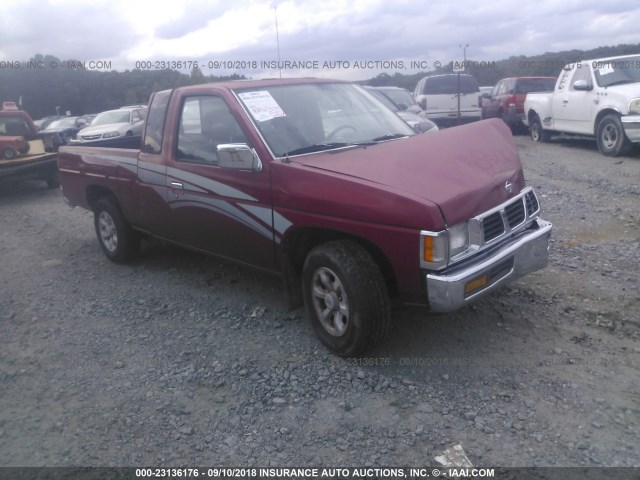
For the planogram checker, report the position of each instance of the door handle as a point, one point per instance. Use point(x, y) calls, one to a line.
point(177, 185)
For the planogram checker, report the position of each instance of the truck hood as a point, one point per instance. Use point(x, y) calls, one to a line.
point(464, 170)
point(621, 93)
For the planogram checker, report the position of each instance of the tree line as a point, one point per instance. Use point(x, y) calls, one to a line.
point(44, 90)
point(489, 73)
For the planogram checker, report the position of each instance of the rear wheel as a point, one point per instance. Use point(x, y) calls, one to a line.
point(117, 239)
point(346, 297)
point(538, 134)
point(611, 138)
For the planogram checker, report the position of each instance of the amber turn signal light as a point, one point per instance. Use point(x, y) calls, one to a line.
point(476, 284)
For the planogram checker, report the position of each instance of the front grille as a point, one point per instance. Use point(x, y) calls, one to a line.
point(509, 216)
point(515, 213)
point(90, 137)
point(532, 203)
point(492, 226)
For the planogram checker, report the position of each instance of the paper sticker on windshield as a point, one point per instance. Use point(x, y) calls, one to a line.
point(262, 105)
point(605, 69)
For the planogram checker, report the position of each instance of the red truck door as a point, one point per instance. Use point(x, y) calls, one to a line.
point(153, 213)
point(216, 205)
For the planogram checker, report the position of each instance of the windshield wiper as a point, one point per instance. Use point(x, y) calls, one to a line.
point(318, 147)
point(389, 136)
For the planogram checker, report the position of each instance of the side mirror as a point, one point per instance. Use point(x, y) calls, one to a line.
point(403, 106)
point(238, 156)
point(582, 85)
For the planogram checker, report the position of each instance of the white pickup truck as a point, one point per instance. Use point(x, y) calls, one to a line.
point(598, 98)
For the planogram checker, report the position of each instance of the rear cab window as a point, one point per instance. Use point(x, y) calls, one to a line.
point(448, 85)
point(155, 123)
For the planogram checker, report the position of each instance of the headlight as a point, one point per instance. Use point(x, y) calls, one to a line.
point(110, 135)
point(437, 249)
point(634, 106)
point(458, 239)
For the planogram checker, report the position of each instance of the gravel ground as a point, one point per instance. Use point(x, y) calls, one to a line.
point(180, 360)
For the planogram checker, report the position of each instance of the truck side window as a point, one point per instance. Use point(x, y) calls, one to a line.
point(205, 123)
point(155, 124)
point(563, 79)
point(582, 73)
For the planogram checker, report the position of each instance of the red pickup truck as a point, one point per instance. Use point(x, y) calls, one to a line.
point(321, 184)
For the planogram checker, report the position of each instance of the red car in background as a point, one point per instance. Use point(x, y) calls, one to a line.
point(26, 153)
point(506, 100)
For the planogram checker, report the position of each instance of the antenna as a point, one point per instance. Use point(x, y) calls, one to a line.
point(275, 10)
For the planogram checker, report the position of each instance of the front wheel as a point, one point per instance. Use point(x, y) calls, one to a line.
point(9, 153)
point(611, 138)
point(538, 134)
point(117, 239)
point(346, 297)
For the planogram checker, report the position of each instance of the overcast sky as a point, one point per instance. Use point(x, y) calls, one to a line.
point(124, 32)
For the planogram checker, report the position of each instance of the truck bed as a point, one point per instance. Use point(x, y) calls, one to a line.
point(38, 166)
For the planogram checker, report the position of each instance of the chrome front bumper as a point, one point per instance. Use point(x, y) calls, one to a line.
point(631, 125)
point(526, 252)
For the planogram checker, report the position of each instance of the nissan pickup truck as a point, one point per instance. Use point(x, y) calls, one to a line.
point(598, 98)
point(319, 183)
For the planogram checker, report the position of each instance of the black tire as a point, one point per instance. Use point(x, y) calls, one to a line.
point(117, 239)
point(24, 150)
point(611, 138)
point(507, 121)
point(9, 153)
point(341, 279)
point(538, 134)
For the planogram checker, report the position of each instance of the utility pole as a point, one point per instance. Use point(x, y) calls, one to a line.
point(275, 11)
point(464, 52)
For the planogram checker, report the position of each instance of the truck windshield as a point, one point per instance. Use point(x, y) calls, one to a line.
point(310, 117)
point(115, 116)
point(618, 71)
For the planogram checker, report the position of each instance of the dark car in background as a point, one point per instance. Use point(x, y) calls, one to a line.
point(44, 122)
point(68, 127)
point(506, 100)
